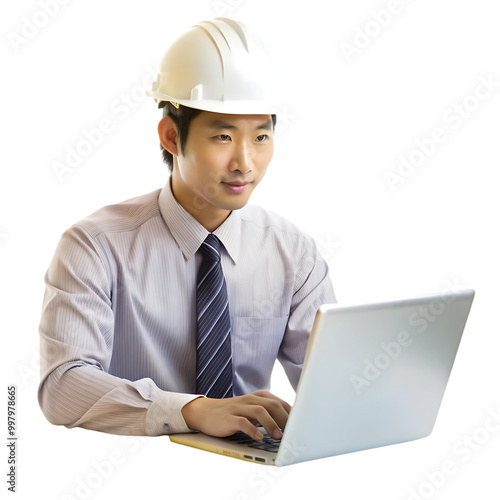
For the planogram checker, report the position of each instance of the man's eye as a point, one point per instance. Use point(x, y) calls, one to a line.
point(261, 138)
point(224, 137)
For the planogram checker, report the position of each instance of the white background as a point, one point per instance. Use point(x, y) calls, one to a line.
point(344, 122)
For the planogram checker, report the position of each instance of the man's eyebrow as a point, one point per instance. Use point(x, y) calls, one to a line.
point(221, 124)
point(266, 125)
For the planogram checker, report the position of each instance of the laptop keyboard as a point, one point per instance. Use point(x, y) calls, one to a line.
point(268, 443)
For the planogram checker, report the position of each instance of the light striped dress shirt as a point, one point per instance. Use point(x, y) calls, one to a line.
point(118, 326)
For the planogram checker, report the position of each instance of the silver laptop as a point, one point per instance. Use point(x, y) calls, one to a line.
point(374, 375)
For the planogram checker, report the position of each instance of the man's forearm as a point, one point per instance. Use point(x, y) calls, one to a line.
point(85, 396)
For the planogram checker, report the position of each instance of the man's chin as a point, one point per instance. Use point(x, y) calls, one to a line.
point(234, 205)
point(234, 201)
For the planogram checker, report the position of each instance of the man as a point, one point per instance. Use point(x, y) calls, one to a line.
point(166, 313)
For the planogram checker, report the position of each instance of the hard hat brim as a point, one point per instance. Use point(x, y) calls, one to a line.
point(223, 107)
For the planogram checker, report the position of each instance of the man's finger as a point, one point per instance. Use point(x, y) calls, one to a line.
point(269, 395)
point(276, 409)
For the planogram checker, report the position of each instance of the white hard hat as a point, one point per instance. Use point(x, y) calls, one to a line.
point(217, 66)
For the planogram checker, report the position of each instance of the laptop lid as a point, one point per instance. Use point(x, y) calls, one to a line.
point(374, 374)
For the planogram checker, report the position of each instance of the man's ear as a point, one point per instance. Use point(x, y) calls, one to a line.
point(169, 136)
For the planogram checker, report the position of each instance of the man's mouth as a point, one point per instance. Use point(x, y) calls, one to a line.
point(236, 187)
point(236, 183)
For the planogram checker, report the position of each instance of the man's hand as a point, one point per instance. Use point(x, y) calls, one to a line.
point(223, 417)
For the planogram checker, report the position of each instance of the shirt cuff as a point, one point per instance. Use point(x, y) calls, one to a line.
point(164, 414)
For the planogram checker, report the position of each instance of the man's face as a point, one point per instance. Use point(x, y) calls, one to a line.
point(224, 159)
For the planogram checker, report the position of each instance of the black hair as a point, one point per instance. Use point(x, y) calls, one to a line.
point(182, 117)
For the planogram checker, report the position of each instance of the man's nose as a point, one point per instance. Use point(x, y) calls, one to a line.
point(242, 158)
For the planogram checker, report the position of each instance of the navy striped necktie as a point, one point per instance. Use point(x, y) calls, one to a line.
point(214, 371)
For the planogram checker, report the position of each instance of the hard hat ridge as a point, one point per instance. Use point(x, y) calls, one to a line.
point(217, 28)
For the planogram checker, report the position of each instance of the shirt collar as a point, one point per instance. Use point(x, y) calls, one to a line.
point(190, 234)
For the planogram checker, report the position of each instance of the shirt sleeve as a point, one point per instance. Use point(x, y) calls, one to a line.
point(312, 288)
point(76, 341)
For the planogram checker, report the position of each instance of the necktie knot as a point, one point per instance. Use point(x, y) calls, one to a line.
point(210, 248)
